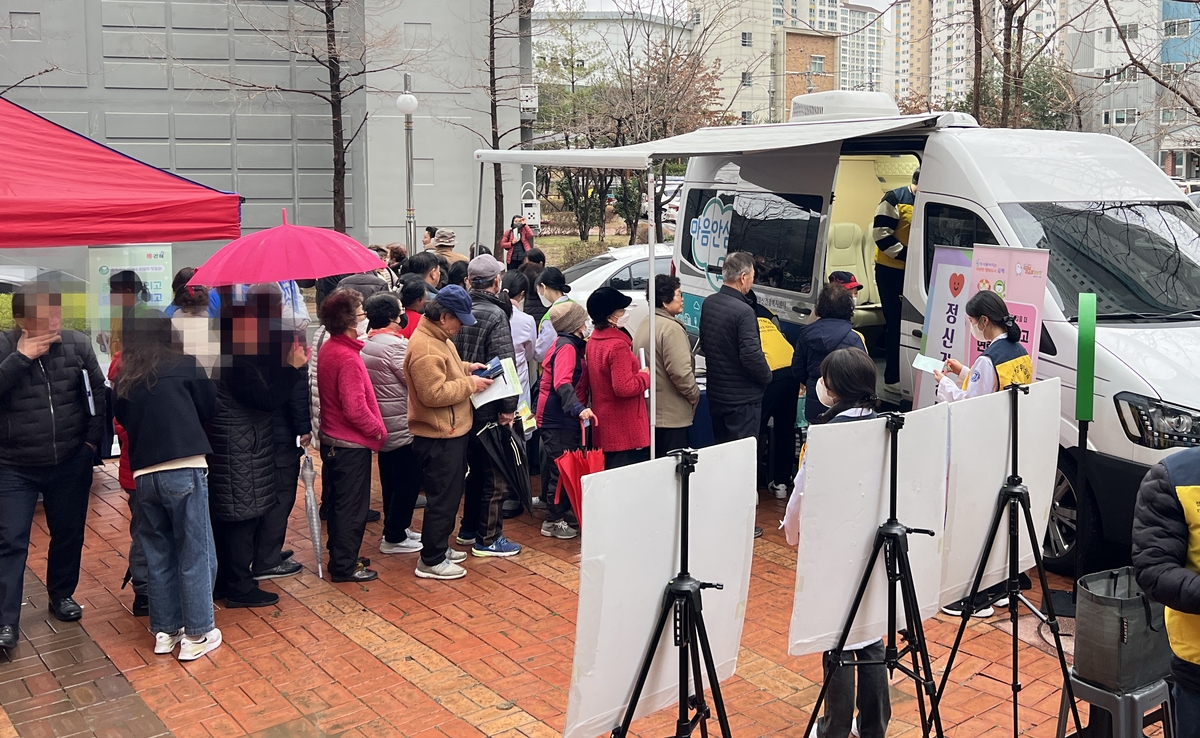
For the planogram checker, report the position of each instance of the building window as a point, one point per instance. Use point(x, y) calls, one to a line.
point(1129, 31)
point(816, 64)
point(1170, 115)
point(696, 17)
point(747, 40)
point(1123, 116)
point(747, 117)
point(1107, 118)
point(1108, 35)
point(747, 79)
point(1177, 28)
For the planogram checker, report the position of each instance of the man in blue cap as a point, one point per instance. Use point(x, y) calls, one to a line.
point(440, 385)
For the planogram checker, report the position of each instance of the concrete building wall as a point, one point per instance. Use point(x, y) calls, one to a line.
point(447, 43)
point(742, 39)
point(861, 47)
point(146, 79)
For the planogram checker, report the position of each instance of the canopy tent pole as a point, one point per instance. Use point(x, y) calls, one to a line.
point(651, 344)
point(479, 211)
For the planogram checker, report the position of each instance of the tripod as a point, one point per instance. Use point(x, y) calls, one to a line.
point(891, 539)
point(682, 598)
point(1014, 497)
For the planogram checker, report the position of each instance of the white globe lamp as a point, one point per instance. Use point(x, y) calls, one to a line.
point(406, 104)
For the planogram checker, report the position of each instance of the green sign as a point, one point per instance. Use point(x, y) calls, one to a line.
point(1085, 372)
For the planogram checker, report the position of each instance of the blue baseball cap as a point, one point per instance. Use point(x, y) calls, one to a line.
point(456, 300)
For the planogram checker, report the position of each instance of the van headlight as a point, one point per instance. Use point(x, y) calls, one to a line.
point(1156, 424)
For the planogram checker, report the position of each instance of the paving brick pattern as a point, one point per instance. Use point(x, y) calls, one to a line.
point(487, 655)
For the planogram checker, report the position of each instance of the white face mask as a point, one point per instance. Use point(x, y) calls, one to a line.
point(977, 333)
point(827, 398)
point(546, 301)
point(623, 320)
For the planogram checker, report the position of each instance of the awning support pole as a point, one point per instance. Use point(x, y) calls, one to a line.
point(651, 359)
point(479, 211)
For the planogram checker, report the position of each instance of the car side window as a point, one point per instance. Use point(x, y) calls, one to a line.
point(640, 275)
point(947, 225)
point(622, 280)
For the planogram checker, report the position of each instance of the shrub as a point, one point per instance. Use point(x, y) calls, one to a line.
point(577, 251)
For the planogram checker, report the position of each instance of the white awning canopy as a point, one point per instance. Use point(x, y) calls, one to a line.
point(728, 140)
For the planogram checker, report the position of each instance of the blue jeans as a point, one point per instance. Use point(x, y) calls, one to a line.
point(64, 488)
point(176, 534)
point(1187, 712)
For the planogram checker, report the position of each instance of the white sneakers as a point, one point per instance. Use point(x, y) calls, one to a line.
point(780, 490)
point(411, 544)
point(165, 643)
point(190, 647)
point(445, 570)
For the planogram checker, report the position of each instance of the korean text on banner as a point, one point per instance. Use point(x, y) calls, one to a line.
point(945, 333)
point(1019, 277)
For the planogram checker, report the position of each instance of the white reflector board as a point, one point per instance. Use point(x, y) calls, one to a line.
point(845, 500)
point(980, 459)
point(630, 551)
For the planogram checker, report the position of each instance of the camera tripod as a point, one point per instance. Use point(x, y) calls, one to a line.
point(682, 600)
point(891, 539)
point(1014, 498)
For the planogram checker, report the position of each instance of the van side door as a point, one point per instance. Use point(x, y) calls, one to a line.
point(940, 220)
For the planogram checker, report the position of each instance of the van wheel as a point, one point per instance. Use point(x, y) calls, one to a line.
point(1062, 531)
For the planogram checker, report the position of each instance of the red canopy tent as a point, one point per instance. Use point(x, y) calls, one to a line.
point(58, 188)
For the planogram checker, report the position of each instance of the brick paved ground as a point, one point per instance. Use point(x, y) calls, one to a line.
point(490, 654)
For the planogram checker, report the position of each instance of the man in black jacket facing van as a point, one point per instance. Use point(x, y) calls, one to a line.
point(1166, 559)
point(51, 424)
point(738, 373)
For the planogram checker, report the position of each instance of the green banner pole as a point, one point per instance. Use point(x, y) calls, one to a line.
point(1085, 367)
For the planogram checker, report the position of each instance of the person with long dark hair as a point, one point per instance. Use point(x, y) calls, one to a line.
point(847, 388)
point(517, 241)
point(1004, 362)
point(163, 400)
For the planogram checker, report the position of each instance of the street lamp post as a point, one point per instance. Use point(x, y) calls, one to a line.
point(407, 104)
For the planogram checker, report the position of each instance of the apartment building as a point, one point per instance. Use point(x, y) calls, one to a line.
point(805, 61)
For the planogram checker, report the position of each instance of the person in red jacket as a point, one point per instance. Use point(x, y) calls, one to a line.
point(351, 428)
point(516, 241)
point(617, 382)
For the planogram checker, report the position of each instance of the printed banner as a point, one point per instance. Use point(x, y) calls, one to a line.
point(945, 333)
point(1018, 276)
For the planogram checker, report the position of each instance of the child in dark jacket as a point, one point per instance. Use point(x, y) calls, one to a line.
point(560, 411)
point(163, 401)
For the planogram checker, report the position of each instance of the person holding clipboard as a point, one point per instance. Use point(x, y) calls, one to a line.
point(1004, 363)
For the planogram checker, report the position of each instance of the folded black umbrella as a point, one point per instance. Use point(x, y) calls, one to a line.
point(508, 453)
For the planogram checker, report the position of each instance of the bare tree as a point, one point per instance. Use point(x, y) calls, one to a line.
point(334, 38)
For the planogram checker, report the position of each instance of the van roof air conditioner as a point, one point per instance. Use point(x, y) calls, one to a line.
point(842, 105)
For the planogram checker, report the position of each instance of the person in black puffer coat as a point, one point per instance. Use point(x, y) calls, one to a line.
point(252, 381)
point(831, 331)
point(737, 370)
point(1166, 559)
point(49, 435)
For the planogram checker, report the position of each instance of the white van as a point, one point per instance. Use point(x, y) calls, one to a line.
point(1114, 223)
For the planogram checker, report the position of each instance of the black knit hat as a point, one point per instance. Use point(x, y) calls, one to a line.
point(553, 278)
point(604, 302)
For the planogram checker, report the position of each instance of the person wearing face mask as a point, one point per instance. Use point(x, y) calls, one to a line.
point(1003, 363)
point(831, 330)
point(847, 388)
point(617, 382)
point(517, 241)
point(552, 288)
point(850, 282)
point(440, 385)
point(676, 388)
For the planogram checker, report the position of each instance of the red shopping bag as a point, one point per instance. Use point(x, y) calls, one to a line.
point(572, 466)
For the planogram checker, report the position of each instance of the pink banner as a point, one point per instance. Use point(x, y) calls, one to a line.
point(1019, 276)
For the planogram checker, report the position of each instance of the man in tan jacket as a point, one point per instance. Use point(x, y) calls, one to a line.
point(440, 385)
point(676, 391)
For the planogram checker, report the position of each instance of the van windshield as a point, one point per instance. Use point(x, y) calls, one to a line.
point(1141, 259)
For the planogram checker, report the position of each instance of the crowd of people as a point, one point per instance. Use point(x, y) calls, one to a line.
point(218, 399)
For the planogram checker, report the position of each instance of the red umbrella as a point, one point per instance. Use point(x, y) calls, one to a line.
point(286, 252)
point(573, 466)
